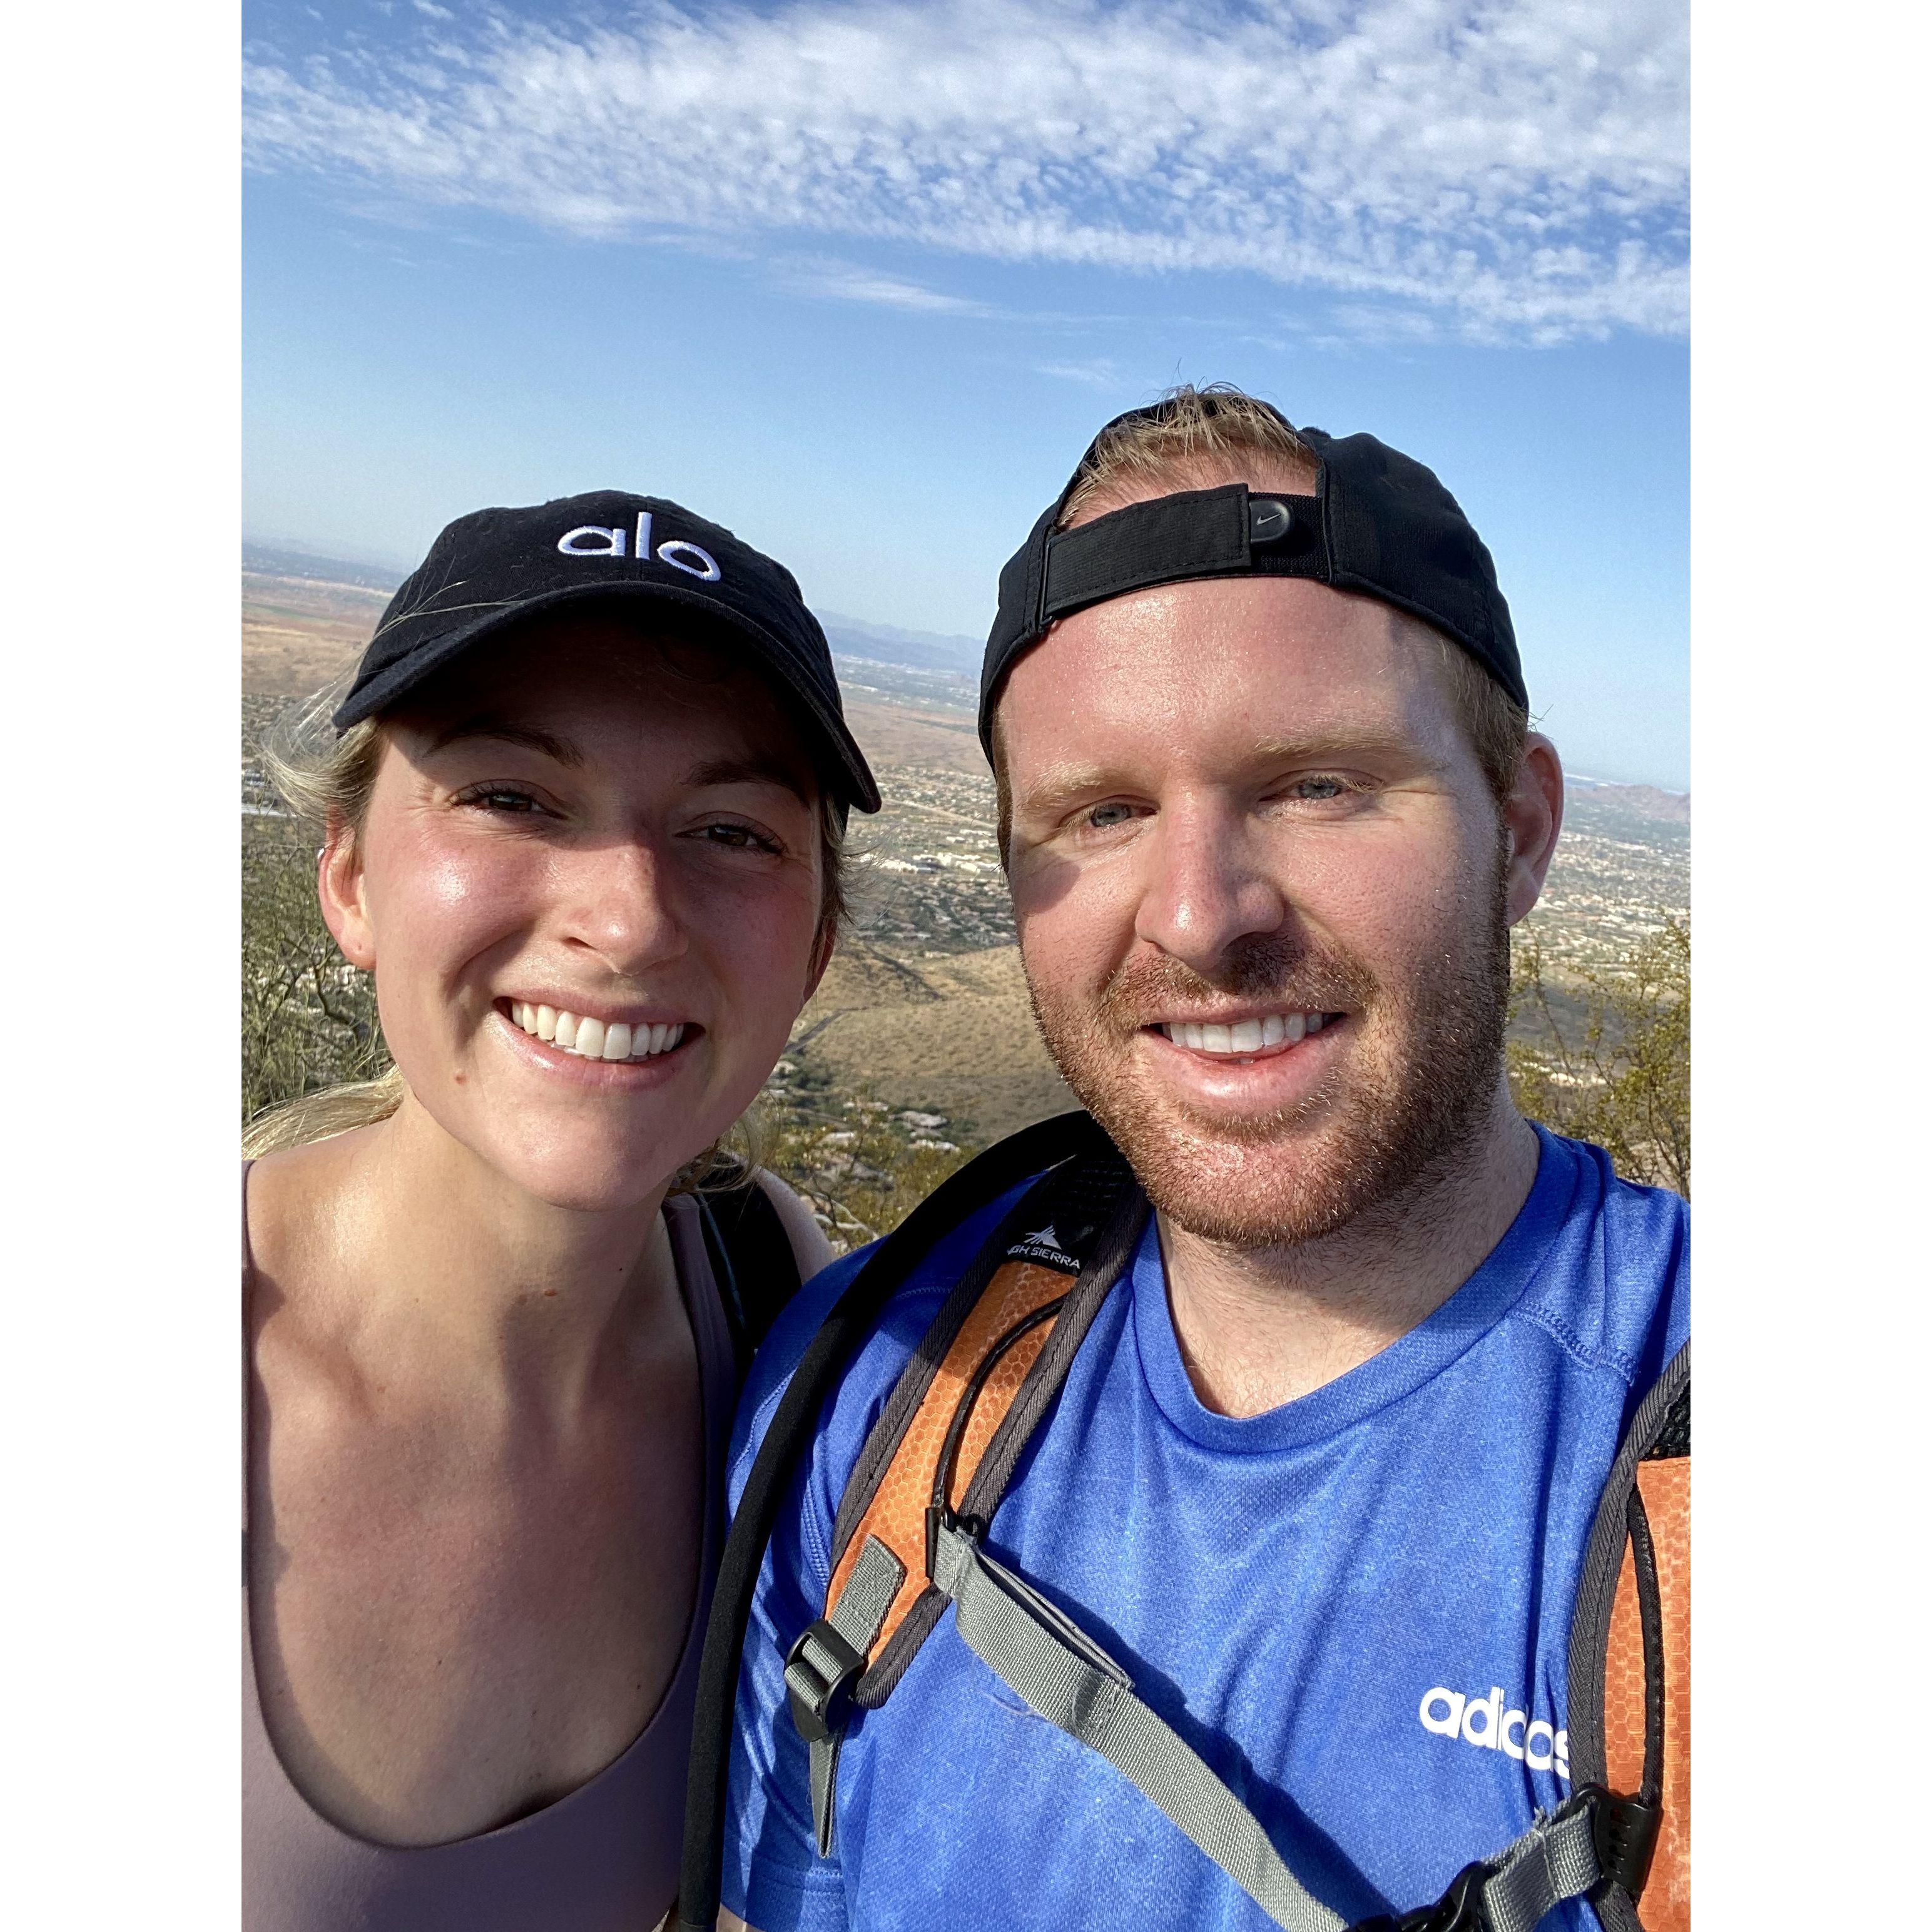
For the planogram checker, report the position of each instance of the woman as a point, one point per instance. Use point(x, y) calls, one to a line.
point(582, 825)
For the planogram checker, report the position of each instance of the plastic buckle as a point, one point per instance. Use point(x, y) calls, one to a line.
point(937, 1517)
point(820, 1668)
point(1458, 1909)
point(1625, 1832)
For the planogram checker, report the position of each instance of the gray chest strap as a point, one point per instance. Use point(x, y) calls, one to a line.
point(1072, 1683)
point(825, 1662)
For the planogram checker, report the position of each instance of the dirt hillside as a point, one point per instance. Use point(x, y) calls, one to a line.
point(953, 1035)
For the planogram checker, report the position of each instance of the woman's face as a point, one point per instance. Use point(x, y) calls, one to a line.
point(578, 822)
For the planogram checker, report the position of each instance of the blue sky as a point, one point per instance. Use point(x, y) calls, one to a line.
point(860, 279)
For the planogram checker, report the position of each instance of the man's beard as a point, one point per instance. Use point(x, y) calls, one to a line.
point(1413, 1086)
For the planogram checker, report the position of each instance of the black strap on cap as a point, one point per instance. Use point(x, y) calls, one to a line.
point(1223, 532)
point(1380, 523)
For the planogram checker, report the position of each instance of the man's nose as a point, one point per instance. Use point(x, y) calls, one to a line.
point(624, 906)
point(1205, 887)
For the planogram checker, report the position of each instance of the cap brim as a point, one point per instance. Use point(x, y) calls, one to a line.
point(852, 775)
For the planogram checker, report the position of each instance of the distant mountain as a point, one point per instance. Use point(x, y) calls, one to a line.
point(1641, 801)
point(288, 560)
point(915, 650)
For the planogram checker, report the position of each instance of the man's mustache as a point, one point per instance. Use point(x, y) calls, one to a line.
point(1285, 976)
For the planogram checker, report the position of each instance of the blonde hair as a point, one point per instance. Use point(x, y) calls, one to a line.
point(1201, 438)
point(1217, 434)
point(325, 777)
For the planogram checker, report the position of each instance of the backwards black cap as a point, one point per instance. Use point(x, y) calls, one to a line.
point(1379, 524)
point(494, 568)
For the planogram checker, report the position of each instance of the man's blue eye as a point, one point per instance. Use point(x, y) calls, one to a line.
point(1109, 815)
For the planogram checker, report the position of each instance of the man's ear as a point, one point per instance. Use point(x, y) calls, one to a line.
point(1533, 816)
point(338, 885)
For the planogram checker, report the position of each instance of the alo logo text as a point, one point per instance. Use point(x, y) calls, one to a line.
point(1485, 1722)
point(611, 541)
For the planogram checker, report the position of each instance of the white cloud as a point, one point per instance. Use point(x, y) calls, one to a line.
point(1101, 372)
point(1515, 168)
point(845, 281)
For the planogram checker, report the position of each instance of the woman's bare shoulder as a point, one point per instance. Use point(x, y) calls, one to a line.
point(809, 1246)
point(292, 1202)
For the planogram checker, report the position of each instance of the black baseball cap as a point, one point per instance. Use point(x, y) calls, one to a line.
point(1379, 522)
point(495, 568)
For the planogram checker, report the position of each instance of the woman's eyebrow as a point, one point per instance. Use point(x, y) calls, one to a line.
point(749, 771)
point(547, 743)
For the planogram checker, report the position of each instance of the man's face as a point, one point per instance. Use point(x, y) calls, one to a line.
point(1263, 893)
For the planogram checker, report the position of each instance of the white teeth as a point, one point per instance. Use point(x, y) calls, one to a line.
point(595, 1040)
point(1243, 1036)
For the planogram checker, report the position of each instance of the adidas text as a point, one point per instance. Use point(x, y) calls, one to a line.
point(1485, 1722)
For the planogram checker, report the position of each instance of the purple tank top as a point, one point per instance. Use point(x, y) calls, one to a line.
point(604, 1858)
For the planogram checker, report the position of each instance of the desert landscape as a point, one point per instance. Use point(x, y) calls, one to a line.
point(920, 1045)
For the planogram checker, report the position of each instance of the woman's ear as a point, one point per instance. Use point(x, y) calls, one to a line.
point(338, 885)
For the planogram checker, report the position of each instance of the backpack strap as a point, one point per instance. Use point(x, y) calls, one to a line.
point(886, 1572)
point(948, 1439)
point(1629, 1665)
point(907, 1542)
point(1070, 1680)
point(786, 1439)
point(752, 1260)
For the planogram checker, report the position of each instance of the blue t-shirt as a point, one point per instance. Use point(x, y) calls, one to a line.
point(1356, 1606)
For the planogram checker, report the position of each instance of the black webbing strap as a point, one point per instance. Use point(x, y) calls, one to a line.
point(752, 1260)
point(1194, 533)
point(838, 1338)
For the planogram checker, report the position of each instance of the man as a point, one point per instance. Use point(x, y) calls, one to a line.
point(1322, 1468)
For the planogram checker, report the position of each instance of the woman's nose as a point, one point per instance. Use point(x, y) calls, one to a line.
point(624, 907)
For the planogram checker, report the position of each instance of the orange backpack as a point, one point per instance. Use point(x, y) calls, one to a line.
point(908, 1543)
